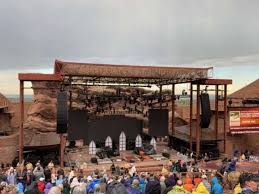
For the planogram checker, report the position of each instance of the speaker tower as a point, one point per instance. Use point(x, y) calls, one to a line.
point(62, 112)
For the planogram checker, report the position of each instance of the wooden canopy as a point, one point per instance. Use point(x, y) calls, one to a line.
point(107, 73)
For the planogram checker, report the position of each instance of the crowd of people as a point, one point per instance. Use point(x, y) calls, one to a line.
point(29, 179)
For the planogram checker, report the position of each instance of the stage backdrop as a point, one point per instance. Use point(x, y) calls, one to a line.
point(244, 120)
point(81, 127)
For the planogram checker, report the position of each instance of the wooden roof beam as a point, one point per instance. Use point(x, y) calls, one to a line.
point(213, 82)
point(39, 77)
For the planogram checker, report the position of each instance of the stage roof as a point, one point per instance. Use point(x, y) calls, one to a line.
point(110, 73)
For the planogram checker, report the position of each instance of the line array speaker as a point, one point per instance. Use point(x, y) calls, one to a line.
point(205, 110)
point(62, 112)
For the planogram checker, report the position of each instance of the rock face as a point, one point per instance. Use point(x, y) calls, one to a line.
point(8, 147)
point(5, 114)
point(40, 125)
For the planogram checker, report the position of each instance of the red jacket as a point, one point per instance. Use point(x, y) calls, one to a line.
point(41, 186)
point(188, 186)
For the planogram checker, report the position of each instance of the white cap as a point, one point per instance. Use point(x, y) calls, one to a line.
point(42, 179)
point(89, 178)
point(204, 176)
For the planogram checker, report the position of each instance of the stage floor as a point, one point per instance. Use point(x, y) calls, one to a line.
point(154, 163)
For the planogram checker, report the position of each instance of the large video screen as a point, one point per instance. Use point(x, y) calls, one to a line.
point(244, 120)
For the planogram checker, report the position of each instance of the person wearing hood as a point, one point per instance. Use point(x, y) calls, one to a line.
point(237, 189)
point(92, 184)
point(178, 188)
point(47, 188)
point(201, 189)
point(197, 180)
point(216, 187)
point(188, 186)
point(142, 184)
point(153, 186)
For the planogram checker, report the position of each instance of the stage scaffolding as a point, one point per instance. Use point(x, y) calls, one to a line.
point(89, 74)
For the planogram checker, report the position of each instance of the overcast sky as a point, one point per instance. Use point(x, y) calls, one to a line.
point(221, 33)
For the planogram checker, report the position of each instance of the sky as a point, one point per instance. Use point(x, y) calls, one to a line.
point(218, 33)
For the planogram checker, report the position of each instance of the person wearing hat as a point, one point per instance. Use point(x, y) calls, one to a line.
point(205, 181)
point(188, 186)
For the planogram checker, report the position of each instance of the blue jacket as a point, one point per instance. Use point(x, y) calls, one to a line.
point(231, 166)
point(131, 190)
point(91, 186)
point(142, 185)
point(216, 187)
point(20, 188)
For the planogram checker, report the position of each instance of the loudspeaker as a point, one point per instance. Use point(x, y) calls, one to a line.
point(205, 110)
point(62, 112)
point(158, 122)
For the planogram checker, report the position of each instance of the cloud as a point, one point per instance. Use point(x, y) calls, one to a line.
point(169, 32)
point(231, 61)
point(34, 33)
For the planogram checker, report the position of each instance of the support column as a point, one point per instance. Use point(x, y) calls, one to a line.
point(191, 104)
point(225, 116)
point(21, 129)
point(173, 108)
point(62, 149)
point(198, 132)
point(216, 111)
point(160, 96)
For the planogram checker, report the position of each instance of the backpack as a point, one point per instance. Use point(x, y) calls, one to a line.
point(116, 188)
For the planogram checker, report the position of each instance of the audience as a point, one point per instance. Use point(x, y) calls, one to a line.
point(53, 180)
